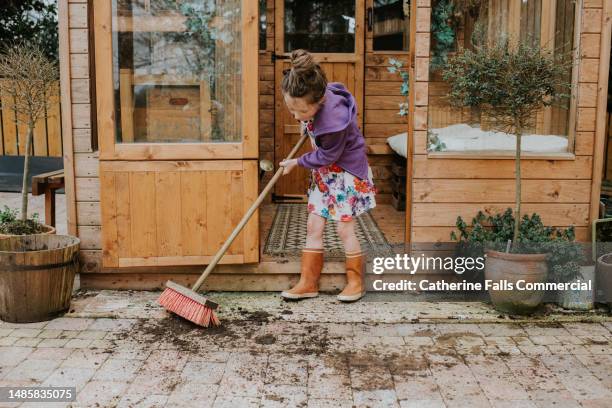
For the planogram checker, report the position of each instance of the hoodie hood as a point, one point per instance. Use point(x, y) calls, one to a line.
point(337, 111)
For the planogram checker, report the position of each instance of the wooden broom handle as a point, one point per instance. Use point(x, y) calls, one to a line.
point(246, 217)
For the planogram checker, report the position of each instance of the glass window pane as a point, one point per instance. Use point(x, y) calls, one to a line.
point(487, 22)
point(563, 44)
point(390, 28)
point(177, 71)
point(320, 25)
point(263, 24)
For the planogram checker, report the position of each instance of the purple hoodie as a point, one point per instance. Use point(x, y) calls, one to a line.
point(337, 135)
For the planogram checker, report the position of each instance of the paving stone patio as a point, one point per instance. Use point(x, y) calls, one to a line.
point(121, 350)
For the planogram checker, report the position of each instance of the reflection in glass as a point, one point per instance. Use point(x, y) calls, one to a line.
point(177, 70)
point(263, 24)
point(320, 25)
point(486, 22)
point(563, 46)
point(390, 29)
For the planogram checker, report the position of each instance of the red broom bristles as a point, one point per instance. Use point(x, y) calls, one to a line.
point(188, 308)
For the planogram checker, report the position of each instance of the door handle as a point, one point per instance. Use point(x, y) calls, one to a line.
point(276, 56)
point(370, 14)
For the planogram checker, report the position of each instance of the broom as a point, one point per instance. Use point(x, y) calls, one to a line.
point(189, 304)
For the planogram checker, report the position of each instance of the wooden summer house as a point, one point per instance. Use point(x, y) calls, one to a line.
point(168, 106)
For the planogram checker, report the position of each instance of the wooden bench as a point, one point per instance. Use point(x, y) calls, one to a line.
point(47, 184)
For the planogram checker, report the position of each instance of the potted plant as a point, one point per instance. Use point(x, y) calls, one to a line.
point(509, 82)
point(604, 278)
point(602, 254)
point(12, 224)
point(28, 81)
point(36, 270)
point(488, 234)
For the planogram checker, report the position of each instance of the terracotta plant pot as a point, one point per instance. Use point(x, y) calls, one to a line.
point(604, 277)
point(36, 276)
point(48, 230)
point(508, 268)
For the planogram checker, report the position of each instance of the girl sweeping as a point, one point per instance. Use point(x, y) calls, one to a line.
point(341, 186)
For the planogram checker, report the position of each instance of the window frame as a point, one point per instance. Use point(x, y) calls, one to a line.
point(110, 149)
point(511, 154)
point(359, 43)
point(370, 39)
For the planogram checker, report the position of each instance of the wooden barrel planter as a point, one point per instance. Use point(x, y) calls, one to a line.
point(36, 276)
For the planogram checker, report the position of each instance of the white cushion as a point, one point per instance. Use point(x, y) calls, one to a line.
point(398, 143)
point(463, 137)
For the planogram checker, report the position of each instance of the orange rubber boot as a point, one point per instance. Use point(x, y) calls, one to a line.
point(308, 286)
point(355, 277)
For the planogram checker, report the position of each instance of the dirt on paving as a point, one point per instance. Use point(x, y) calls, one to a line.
point(247, 332)
point(259, 332)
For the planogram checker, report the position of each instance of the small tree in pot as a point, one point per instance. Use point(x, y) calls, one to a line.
point(28, 81)
point(36, 270)
point(510, 82)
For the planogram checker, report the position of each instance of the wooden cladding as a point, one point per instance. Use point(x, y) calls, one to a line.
point(176, 212)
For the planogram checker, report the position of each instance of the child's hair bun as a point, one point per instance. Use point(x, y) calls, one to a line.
point(305, 78)
point(302, 62)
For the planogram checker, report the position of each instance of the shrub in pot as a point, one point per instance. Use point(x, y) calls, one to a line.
point(12, 224)
point(566, 267)
point(538, 250)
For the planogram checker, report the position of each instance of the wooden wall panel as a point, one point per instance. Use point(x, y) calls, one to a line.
point(442, 234)
point(602, 117)
point(156, 217)
point(500, 190)
point(445, 214)
point(578, 168)
point(267, 96)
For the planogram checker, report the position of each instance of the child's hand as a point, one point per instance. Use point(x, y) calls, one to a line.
point(288, 165)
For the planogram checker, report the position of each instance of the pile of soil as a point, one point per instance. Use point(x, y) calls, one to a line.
point(247, 332)
point(174, 330)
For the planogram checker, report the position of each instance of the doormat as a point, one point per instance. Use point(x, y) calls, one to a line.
point(287, 235)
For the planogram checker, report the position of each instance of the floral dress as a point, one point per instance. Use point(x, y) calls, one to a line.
point(336, 194)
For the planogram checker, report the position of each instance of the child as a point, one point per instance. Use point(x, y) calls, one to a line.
point(341, 184)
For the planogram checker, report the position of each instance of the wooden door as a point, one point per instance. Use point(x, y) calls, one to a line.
point(177, 121)
point(333, 32)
